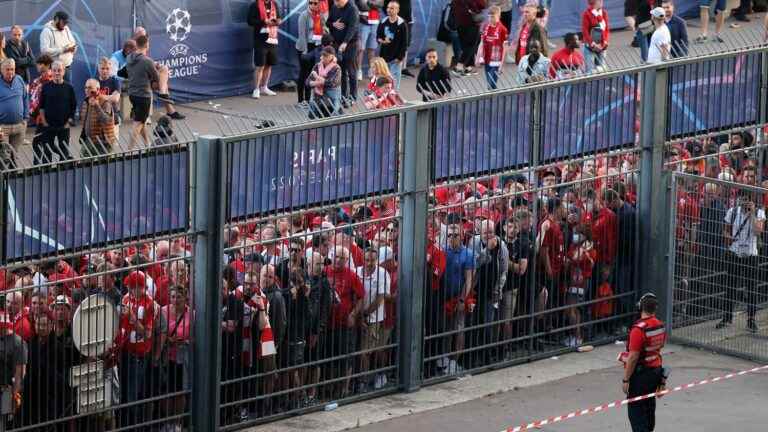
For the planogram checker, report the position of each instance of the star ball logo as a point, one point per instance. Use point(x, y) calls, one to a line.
point(182, 62)
point(178, 25)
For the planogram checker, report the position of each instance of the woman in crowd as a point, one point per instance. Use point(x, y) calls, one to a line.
point(180, 320)
point(381, 91)
point(312, 26)
point(325, 81)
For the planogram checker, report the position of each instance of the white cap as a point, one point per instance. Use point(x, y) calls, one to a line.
point(658, 12)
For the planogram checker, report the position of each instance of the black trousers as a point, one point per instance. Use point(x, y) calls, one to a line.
point(642, 414)
point(469, 37)
point(50, 140)
point(348, 63)
point(744, 278)
point(744, 7)
point(305, 67)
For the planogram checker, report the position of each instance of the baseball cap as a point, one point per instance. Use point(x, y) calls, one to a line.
point(657, 12)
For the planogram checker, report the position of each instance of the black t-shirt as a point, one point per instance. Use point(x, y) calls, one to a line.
point(232, 343)
point(13, 352)
point(59, 103)
point(108, 87)
point(519, 248)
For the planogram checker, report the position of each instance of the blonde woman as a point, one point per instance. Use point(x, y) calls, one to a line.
point(381, 88)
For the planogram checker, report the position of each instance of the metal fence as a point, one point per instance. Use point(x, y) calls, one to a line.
point(357, 255)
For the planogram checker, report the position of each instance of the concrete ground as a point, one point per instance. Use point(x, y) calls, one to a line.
point(505, 398)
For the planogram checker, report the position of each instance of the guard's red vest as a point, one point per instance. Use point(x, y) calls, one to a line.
point(655, 338)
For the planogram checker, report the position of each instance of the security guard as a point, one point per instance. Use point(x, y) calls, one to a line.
point(643, 373)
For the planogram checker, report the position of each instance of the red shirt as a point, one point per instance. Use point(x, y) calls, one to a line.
point(566, 60)
point(591, 19)
point(555, 244)
point(581, 268)
point(522, 44)
point(648, 342)
point(688, 213)
point(348, 290)
point(143, 309)
point(437, 265)
point(493, 38)
point(605, 230)
point(22, 326)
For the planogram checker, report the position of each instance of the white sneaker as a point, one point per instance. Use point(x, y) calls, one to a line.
point(255, 94)
point(359, 74)
point(267, 92)
point(380, 381)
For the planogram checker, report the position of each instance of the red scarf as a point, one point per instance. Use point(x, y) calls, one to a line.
point(317, 26)
point(271, 30)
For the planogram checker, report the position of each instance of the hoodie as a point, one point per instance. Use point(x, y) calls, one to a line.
point(141, 74)
point(53, 42)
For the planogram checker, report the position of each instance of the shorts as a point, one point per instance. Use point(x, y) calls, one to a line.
point(456, 321)
point(368, 36)
point(374, 336)
point(575, 295)
point(719, 4)
point(175, 376)
point(509, 302)
point(296, 353)
point(341, 343)
point(140, 107)
point(264, 54)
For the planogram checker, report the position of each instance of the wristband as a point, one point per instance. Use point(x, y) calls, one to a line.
point(625, 381)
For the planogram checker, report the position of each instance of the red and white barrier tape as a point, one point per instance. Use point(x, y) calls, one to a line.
point(621, 403)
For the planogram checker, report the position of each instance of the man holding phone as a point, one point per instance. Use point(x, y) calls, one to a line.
point(744, 224)
point(57, 41)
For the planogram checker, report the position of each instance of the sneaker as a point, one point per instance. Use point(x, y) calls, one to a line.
point(177, 115)
point(244, 416)
point(723, 324)
point(751, 325)
point(470, 71)
point(718, 39)
point(408, 73)
point(359, 75)
point(457, 72)
point(701, 39)
point(267, 92)
point(256, 94)
point(742, 18)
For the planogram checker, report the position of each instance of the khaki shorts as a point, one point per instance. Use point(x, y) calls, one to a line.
point(509, 301)
point(13, 136)
point(374, 336)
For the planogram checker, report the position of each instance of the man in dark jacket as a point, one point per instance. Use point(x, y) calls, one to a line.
point(142, 72)
point(18, 49)
point(392, 35)
point(678, 29)
point(434, 81)
point(468, 27)
point(58, 105)
point(343, 22)
point(320, 298)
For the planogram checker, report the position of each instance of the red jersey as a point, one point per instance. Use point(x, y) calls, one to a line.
point(647, 336)
point(522, 45)
point(22, 326)
point(605, 231)
point(493, 38)
point(437, 264)
point(581, 267)
point(594, 22)
point(563, 62)
point(688, 213)
point(555, 243)
point(347, 291)
point(144, 309)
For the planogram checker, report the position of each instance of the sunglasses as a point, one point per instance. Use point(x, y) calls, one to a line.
point(452, 235)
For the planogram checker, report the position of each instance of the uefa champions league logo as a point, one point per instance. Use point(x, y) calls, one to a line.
point(178, 25)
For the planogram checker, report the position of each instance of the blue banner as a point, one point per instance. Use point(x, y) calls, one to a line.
point(63, 209)
point(715, 94)
point(589, 116)
point(482, 136)
point(314, 166)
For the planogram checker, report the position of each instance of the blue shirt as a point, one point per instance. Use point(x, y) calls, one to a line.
point(457, 261)
point(14, 101)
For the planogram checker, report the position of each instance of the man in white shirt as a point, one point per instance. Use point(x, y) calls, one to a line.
point(57, 41)
point(376, 282)
point(661, 40)
point(744, 224)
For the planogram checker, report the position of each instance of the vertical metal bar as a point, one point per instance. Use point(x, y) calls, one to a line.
point(207, 190)
point(3, 216)
point(672, 180)
point(537, 132)
point(414, 189)
point(762, 117)
point(654, 187)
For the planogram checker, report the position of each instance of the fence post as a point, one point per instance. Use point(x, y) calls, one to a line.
point(654, 224)
point(762, 112)
point(414, 186)
point(208, 193)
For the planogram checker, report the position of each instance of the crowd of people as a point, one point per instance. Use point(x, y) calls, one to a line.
point(475, 33)
point(37, 92)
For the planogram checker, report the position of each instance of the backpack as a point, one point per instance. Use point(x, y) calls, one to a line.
point(447, 24)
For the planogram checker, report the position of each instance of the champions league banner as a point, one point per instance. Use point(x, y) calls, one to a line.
point(326, 165)
point(482, 136)
point(589, 116)
point(713, 95)
point(65, 209)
